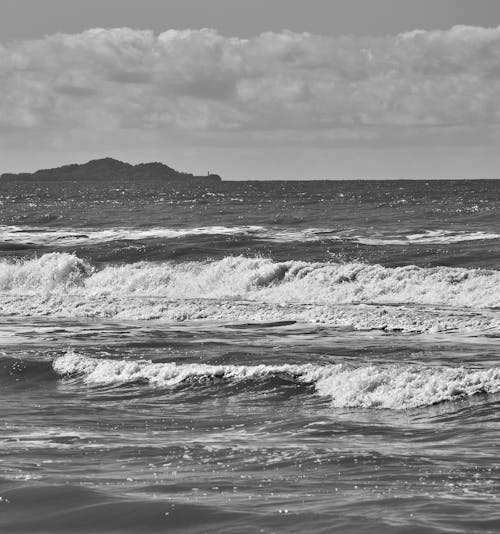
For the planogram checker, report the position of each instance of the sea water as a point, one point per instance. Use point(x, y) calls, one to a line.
point(250, 357)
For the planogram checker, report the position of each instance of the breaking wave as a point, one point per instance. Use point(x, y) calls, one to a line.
point(240, 289)
point(72, 236)
point(391, 387)
point(256, 279)
point(430, 237)
point(58, 237)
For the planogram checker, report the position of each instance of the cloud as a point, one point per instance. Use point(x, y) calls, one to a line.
point(200, 81)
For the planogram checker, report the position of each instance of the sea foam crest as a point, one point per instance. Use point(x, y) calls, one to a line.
point(63, 237)
point(78, 236)
point(49, 272)
point(391, 387)
point(430, 237)
point(258, 280)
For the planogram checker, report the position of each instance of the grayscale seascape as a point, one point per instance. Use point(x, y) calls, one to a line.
point(249, 266)
point(285, 356)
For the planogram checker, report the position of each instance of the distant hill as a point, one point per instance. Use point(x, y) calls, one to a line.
point(107, 169)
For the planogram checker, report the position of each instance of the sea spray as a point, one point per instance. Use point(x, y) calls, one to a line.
point(50, 272)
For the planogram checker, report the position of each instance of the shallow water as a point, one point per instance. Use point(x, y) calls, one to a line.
point(258, 358)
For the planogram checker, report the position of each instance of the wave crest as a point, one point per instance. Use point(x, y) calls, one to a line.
point(258, 280)
point(390, 387)
point(61, 237)
point(239, 289)
point(49, 272)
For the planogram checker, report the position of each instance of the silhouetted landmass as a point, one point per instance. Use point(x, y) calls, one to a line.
point(109, 169)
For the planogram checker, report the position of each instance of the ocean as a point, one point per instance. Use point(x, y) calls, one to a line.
point(299, 357)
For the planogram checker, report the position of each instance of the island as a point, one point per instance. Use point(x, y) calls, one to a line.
point(109, 169)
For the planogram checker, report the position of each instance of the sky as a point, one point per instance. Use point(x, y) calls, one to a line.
point(270, 89)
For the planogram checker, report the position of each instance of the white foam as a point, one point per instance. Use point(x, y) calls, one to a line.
point(360, 316)
point(392, 387)
point(255, 289)
point(428, 238)
point(403, 387)
point(258, 280)
point(50, 272)
point(71, 236)
point(49, 236)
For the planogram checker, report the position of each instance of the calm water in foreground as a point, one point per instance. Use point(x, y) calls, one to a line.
point(256, 357)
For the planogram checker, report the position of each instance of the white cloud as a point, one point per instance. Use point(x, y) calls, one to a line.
point(199, 81)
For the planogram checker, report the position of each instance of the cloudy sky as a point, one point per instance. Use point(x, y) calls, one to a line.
point(260, 89)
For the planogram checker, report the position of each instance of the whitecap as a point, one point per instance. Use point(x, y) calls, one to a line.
point(396, 387)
